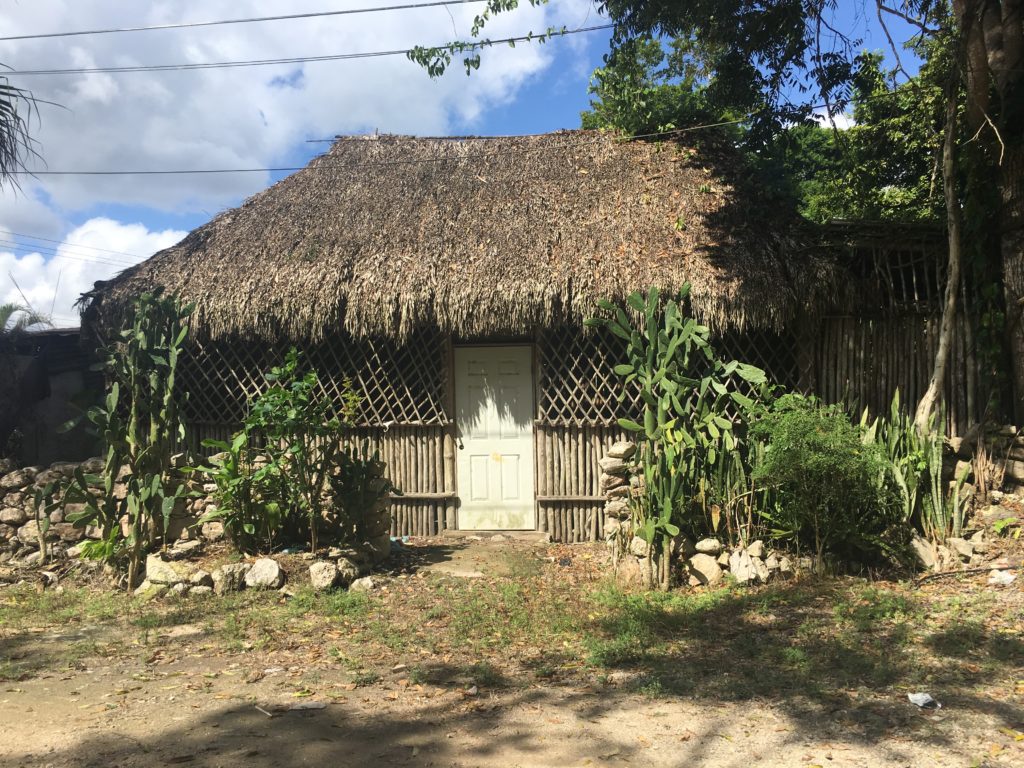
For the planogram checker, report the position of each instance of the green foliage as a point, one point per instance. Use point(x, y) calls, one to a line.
point(358, 486)
point(141, 429)
point(272, 477)
point(692, 445)
point(916, 459)
point(836, 492)
point(437, 59)
point(43, 504)
point(884, 166)
point(247, 493)
point(642, 88)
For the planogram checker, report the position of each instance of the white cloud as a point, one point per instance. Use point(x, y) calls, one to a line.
point(53, 278)
point(253, 117)
point(841, 121)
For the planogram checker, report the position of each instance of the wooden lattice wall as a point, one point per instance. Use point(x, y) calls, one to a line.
point(405, 412)
point(408, 404)
point(889, 337)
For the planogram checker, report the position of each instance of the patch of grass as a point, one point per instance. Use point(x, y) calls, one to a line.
point(366, 677)
point(24, 604)
point(871, 606)
point(486, 675)
point(332, 604)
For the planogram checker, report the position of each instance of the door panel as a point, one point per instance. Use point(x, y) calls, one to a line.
point(494, 423)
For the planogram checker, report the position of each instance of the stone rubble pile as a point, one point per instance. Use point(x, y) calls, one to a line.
point(170, 572)
point(704, 562)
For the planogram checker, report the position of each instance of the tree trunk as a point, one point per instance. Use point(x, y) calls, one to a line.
point(953, 225)
point(1011, 190)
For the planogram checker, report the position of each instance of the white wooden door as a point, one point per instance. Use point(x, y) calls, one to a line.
point(494, 423)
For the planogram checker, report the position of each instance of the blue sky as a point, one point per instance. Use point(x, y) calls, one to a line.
point(254, 117)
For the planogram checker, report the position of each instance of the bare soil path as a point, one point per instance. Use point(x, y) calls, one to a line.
point(536, 661)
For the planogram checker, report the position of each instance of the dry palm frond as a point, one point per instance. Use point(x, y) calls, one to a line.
point(384, 234)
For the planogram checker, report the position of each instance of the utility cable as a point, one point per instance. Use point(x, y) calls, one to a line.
point(380, 164)
point(249, 20)
point(184, 67)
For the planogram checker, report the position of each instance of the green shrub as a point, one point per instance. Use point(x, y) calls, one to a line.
point(274, 476)
point(836, 493)
point(916, 457)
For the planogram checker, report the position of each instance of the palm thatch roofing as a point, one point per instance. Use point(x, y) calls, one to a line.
point(384, 234)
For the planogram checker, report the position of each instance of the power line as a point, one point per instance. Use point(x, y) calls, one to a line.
point(454, 47)
point(248, 20)
point(46, 253)
point(379, 164)
point(75, 245)
point(49, 249)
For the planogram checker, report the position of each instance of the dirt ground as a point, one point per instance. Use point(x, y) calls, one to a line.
point(515, 653)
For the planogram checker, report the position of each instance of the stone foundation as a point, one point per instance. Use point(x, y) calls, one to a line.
point(19, 532)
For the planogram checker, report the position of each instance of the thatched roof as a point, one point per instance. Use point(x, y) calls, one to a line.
point(481, 235)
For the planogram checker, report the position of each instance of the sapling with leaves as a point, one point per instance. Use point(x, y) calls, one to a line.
point(43, 504)
point(301, 433)
point(141, 428)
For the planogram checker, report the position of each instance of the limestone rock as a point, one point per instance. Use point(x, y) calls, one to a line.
point(200, 590)
point(962, 547)
point(622, 492)
point(763, 574)
point(785, 565)
point(323, 575)
point(147, 590)
point(265, 574)
point(365, 584)
point(617, 508)
point(230, 578)
point(160, 571)
point(611, 526)
point(709, 546)
point(67, 532)
point(180, 589)
point(741, 567)
point(772, 562)
point(682, 546)
point(19, 478)
point(756, 549)
point(622, 450)
point(639, 547)
point(924, 551)
point(201, 579)
point(28, 534)
point(13, 516)
point(183, 549)
point(723, 559)
point(65, 468)
point(612, 466)
point(213, 530)
point(47, 476)
point(705, 568)
point(607, 482)
point(93, 466)
point(348, 570)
